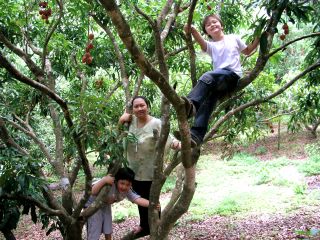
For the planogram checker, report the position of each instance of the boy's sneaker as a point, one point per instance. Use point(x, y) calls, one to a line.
point(194, 141)
point(190, 108)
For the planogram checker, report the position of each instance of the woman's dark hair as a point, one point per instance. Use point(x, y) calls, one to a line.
point(144, 99)
point(205, 20)
point(125, 173)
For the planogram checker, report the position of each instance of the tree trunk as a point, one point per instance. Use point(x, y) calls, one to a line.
point(8, 235)
point(74, 231)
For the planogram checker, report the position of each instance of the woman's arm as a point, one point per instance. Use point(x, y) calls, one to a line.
point(105, 180)
point(126, 117)
point(197, 36)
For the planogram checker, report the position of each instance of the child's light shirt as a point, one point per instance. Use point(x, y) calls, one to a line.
point(226, 53)
point(115, 196)
point(141, 154)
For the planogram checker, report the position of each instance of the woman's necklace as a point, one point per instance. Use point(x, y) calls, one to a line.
point(141, 125)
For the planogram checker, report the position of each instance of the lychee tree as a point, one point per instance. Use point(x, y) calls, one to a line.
point(65, 82)
point(307, 98)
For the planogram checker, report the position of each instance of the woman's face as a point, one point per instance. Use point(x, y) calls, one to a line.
point(140, 108)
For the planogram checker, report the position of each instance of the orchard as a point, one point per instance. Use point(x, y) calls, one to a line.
point(68, 69)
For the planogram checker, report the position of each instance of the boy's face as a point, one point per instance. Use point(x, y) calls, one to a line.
point(213, 26)
point(123, 186)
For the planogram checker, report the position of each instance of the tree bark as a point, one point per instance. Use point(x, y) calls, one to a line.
point(8, 235)
point(74, 230)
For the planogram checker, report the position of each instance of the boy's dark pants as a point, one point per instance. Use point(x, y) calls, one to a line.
point(205, 94)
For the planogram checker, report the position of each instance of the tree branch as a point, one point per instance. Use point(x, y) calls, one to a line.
point(124, 76)
point(85, 163)
point(31, 65)
point(147, 68)
point(50, 32)
point(35, 49)
point(36, 202)
point(22, 78)
point(29, 132)
point(231, 113)
point(190, 46)
point(149, 20)
point(263, 53)
point(290, 42)
point(8, 140)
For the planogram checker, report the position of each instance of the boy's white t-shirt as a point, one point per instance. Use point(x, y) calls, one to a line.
point(226, 53)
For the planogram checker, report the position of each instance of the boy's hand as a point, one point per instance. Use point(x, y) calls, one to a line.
point(188, 28)
point(176, 144)
point(108, 179)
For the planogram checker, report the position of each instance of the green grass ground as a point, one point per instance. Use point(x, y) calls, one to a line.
point(242, 186)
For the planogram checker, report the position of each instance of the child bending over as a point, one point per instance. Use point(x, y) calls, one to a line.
point(101, 221)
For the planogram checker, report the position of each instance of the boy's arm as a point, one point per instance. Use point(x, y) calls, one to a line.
point(197, 36)
point(251, 47)
point(105, 180)
point(144, 203)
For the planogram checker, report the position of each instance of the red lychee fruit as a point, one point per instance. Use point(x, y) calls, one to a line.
point(285, 26)
point(282, 37)
point(91, 36)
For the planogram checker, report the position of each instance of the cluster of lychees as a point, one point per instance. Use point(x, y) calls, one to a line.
point(44, 11)
point(87, 58)
point(270, 125)
point(285, 28)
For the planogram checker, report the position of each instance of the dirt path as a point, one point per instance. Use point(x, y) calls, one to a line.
point(254, 227)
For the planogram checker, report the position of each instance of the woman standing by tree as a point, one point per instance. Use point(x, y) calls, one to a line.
point(141, 153)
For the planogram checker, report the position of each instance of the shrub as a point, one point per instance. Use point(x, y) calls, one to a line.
point(227, 207)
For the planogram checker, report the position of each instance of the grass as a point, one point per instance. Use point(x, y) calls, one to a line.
point(245, 185)
point(242, 186)
point(312, 166)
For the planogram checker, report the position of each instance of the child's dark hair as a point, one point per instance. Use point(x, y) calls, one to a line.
point(205, 20)
point(125, 173)
point(144, 99)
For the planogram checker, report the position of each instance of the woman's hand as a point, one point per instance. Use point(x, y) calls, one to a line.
point(126, 117)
